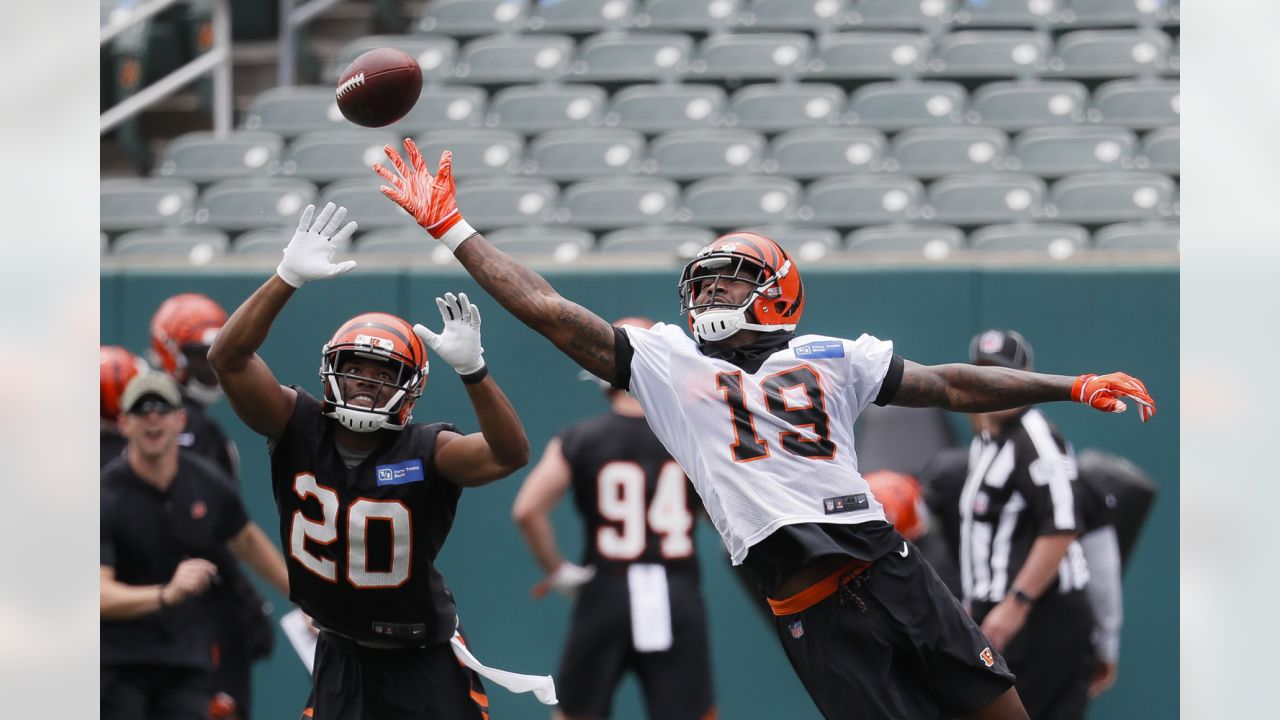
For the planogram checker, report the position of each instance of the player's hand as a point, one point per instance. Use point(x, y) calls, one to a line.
point(1104, 676)
point(430, 199)
point(1003, 622)
point(567, 579)
point(191, 578)
point(1103, 392)
point(309, 254)
point(459, 342)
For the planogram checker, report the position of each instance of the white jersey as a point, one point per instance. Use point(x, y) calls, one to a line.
point(769, 448)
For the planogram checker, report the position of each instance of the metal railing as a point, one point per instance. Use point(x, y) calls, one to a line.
point(292, 18)
point(216, 60)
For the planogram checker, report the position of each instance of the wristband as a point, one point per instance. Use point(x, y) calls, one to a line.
point(1022, 598)
point(454, 236)
point(475, 377)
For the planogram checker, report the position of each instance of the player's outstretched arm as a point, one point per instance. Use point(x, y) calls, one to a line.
point(974, 388)
point(501, 447)
point(430, 199)
point(251, 388)
point(542, 490)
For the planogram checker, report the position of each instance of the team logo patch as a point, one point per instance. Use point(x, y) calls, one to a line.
point(843, 504)
point(797, 629)
point(400, 473)
point(825, 349)
point(988, 658)
point(198, 510)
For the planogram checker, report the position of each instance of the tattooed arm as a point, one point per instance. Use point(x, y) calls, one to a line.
point(974, 388)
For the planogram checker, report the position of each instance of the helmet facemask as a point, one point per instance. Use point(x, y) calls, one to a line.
point(716, 320)
point(407, 385)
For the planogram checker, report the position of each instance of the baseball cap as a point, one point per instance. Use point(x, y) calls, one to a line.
point(1005, 348)
point(150, 383)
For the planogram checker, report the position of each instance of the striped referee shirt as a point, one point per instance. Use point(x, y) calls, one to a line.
point(1021, 485)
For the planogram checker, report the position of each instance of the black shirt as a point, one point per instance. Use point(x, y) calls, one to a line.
point(110, 447)
point(360, 543)
point(145, 534)
point(204, 437)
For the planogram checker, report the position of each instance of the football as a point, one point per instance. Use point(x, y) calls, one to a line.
point(379, 87)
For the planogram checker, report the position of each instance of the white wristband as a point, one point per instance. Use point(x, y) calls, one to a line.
point(456, 234)
point(289, 277)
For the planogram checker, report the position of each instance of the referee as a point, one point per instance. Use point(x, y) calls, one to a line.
point(1022, 571)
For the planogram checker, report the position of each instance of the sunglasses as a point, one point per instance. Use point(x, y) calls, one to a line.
point(151, 406)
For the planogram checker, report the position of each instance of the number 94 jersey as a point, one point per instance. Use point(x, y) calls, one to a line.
point(360, 543)
point(769, 448)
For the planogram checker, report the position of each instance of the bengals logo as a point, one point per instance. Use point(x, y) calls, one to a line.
point(988, 658)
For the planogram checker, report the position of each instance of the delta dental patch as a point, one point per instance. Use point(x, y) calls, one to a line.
point(402, 473)
point(825, 349)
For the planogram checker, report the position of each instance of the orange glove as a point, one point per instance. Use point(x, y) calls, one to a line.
point(430, 199)
point(1103, 392)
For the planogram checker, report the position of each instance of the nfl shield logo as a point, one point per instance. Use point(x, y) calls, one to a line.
point(797, 629)
point(198, 510)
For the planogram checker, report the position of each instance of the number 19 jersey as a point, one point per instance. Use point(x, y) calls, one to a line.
point(769, 448)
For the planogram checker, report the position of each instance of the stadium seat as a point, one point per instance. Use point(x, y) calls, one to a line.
point(933, 241)
point(1175, 54)
point(197, 245)
point(248, 203)
point(134, 203)
point(985, 198)
point(1116, 13)
point(1057, 151)
point(897, 106)
point(1138, 236)
point(606, 203)
point(445, 107)
point(635, 57)
point(1022, 105)
point(1110, 53)
point(465, 18)
point(1113, 197)
point(505, 202)
point(729, 202)
point(752, 56)
point(476, 153)
point(508, 59)
point(679, 240)
point(534, 109)
point(436, 54)
point(402, 241)
point(774, 108)
point(1058, 241)
point(690, 154)
point(335, 154)
point(264, 242)
point(1033, 14)
point(928, 15)
point(864, 200)
point(292, 111)
point(579, 154)
point(581, 16)
point(816, 16)
point(931, 152)
point(816, 152)
point(658, 108)
point(201, 157)
point(990, 54)
point(878, 55)
point(366, 204)
point(697, 16)
point(562, 243)
point(1138, 104)
point(1161, 150)
point(806, 244)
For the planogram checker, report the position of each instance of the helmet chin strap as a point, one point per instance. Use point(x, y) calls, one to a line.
point(361, 421)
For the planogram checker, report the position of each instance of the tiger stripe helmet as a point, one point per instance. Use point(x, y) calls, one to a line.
point(903, 502)
point(116, 367)
point(379, 336)
point(776, 303)
point(184, 321)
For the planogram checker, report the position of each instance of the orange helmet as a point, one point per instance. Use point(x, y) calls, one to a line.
point(776, 303)
point(899, 493)
point(116, 367)
point(381, 337)
point(185, 321)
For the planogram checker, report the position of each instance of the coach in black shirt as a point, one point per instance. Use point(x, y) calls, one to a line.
point(165, 513)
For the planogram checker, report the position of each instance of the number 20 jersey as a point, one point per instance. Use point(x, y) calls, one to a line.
point(769, 448)
point(360, 543)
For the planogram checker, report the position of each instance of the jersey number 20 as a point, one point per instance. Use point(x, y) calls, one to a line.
point(620, 496)
point(359, 514)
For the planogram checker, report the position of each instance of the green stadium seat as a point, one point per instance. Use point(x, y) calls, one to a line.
point(1056, 240)
point(817, 152)
point(864, 200)
point(985, 198)
point(932, 152)
point(1140, 104)
point(201, 157)
point(476, 153)
point(608, 203)
point(1138, 236)
point(1023, 105)
point(934, 242)
point(468, 18)
point(1057, 151)
point(197, 245)
point(785, 106)
point(990, 54)
point(135, 203)
point(633, 57)
point(493, 203)
point(752, 56)
point(323, 157)
point(580, 154)
point(658, 108)
point(535, 109)
point(1161, 150)
point(1097, 198)
point(509, 59)
point(248, 203)
point(691, 154)
point(898, 106)
point(581, 16)
point(869, 55)
point(731, 202)
point(679, 240)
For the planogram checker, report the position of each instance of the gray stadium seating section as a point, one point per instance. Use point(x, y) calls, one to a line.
point(898, 106)
point(410, 242)
point(928, 15)
point(1058, 241)
point(1109, 53)
point(267, 242)
point(1137, 236)
point(869, 55)
point(1137, 103)
point(248, 203)
point(436, 54)
point(657, 108)
point(1161, 150)
point(1114, 197)
point(1057, 151)
point(476, 153)
point(502, 59)
point(774, 108)
point(1023, 105)
point(503, 202)
point(538, 109)
point(990, 54)
point(578, 154)
point(464, 18)
point(985, 198)
point(634, 57)
point(864, 200)
point(292, 111)
point(817, 152)
point(679, 240)
point(130, 204)
point(1036, 14)
point(581, 16)
point(689, 15)
point(563, 243)
point(935, 240)
point(752, 56)
point(609, 203)
point(805, 243)
point(817, 16)
point(202, 158)
point(691, 154)
point(931, 152)
point(726, 202)
point(197, 245)
point(366, 204)
point(336, 154)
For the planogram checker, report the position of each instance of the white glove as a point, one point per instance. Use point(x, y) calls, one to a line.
point(459, 342)
point(309, 254)
point(568, 579)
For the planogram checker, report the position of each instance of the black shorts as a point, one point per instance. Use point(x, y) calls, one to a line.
point(676, 683)
point(892, 642)
point(354, 682)
point(144, 692)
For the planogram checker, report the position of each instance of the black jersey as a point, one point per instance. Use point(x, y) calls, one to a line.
point(360, 543)
point(204, 437)
point(635, 501)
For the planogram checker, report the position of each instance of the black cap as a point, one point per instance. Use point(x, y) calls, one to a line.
point(1005, 348)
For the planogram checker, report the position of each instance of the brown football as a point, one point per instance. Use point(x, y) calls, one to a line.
point(379, 87)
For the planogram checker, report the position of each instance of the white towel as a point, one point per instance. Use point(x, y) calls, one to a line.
point(301, 635)
point(650, 608)
point(542, 686)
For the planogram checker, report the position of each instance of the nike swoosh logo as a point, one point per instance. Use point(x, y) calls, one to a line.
point(905, 549)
